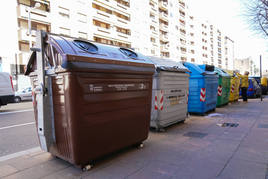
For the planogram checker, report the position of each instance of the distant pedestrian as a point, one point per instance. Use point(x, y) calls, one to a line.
point(244, 86)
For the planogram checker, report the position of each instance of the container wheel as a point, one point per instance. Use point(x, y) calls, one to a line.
point(141, 145)
point(87, 168)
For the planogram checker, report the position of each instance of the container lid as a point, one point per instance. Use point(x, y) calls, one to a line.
point(84, 54)
point(163, 64)
point(199, 69)
point(220, 72)
point(231, 73)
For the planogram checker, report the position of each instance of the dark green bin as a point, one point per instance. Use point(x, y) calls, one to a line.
point(223, 88)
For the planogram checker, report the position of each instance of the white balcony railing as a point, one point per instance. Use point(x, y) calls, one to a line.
point(36, 14)
point(163, 48)
point(163, 27)
point(163, 16)
point(163, 5)
point(164, 38)
point(23, 35)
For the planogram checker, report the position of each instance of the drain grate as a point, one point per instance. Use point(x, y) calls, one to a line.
point(263, 126)
point(227, 124)
point(195, 134)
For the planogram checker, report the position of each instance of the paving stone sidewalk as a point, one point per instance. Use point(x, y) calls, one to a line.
point(200, 148)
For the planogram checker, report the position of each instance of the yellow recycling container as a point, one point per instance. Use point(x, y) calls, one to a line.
point(234, 87)
point(264, 86)
point(264, 81)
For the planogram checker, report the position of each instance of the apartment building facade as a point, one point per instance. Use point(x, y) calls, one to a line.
point(207, 44)
point(161, 28)
point(246, 64)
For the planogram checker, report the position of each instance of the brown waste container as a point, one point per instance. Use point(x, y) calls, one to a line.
point(89, 99)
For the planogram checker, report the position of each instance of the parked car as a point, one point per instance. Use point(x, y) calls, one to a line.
point(6, 89)
point(254, 89)
point(23, 95)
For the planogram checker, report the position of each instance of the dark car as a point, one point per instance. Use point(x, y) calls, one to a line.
point(254, 89)
point(263, 88)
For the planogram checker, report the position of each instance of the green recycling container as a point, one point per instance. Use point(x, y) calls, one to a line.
point(223, 88)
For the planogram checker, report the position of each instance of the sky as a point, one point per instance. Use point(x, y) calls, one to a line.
point(228, 15)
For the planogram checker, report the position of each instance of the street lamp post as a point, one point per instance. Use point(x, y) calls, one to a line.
point(29, 9)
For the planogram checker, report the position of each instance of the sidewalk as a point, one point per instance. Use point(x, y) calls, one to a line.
point(201, 148)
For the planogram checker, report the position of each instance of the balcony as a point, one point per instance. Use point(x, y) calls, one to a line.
point(163, 48)
point(24, 36)
point(163, 27)
point(164, 38)
point(163, 16)
point(182, 16)
point(153, 9)
point(163, 5)
point(182, 24)
point(102, 15)
point(36, 14)
point(122, 36)
point(23, 57)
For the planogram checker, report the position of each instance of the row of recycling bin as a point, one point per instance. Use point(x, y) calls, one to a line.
point(96, 99)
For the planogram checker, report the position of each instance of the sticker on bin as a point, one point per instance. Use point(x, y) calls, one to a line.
point(219, 90)
point(97, 88)
point(232, 88)
point(159, 100)
point(203, 95)
point(174, 100)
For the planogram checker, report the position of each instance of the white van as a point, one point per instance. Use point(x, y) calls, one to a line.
point(6, 89)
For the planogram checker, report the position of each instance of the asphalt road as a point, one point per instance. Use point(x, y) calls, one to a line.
point(17, 128)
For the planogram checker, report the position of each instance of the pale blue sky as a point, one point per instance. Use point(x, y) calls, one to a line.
point(228, 16)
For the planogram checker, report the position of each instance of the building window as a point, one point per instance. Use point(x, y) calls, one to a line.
point(152, 39)
point(121, 16)
point(24, 46)
point(111, 42)
point(184, 59)
point(103, 9)
point(125, 3)
point(122, 30)
point(63, 12)
point(152, 28)
point(101, 24)
point(153, 52)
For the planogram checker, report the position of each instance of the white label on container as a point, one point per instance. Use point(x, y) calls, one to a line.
point(121, 87)
point(93, 88)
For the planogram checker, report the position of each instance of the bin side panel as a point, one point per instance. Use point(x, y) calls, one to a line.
point(194, 103)
point(108, 112)
point(211, 85)
point(174, 87)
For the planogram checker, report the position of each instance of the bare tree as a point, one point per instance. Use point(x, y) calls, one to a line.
point(257, 13)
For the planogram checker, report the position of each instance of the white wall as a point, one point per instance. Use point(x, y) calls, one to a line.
point(8, 34)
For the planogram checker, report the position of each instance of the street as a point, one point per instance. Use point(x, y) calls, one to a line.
point(17, 128)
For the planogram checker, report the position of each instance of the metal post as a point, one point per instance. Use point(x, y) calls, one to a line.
point(261, 74)
point(29, 27)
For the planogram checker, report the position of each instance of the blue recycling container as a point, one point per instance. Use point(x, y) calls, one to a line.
point(203, 88)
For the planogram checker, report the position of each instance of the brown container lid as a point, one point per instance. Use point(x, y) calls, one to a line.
point(80, 55)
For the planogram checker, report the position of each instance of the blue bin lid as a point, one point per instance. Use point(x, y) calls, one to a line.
point(198, 69)
point(162, 64)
